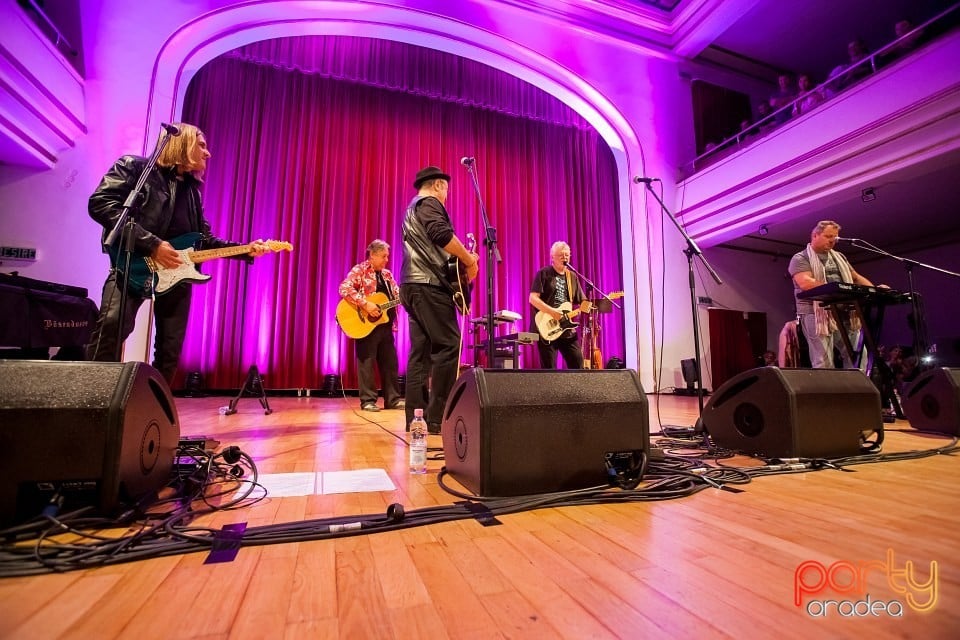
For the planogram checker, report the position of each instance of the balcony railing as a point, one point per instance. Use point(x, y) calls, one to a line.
point(895, 50)
point(49, 28)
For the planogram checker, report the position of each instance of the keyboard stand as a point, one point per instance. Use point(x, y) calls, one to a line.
point(870, 324)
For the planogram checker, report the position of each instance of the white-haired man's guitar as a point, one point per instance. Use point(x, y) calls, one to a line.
point(550, 329)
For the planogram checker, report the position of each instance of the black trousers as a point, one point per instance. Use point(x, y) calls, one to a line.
point(378, 348)
point(170, 313)
point(434, 350)
point(569, 348)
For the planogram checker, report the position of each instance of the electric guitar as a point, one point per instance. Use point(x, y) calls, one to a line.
point(356, 322)
point(147, 276)
point(456, 274)
point(551, 329)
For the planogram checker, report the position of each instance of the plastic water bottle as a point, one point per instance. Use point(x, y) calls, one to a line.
point(418, 443)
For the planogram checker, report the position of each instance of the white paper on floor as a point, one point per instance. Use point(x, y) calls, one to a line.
point(355, 481)
point(279, 485)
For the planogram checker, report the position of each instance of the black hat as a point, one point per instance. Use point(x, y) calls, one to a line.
point(428, 173)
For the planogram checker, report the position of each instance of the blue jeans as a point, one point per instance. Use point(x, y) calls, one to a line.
point(821, 347)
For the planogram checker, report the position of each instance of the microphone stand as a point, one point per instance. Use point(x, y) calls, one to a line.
point(125, 226)
point(593, 287)
point(691, 250)
point(493, 257)
point(919, 328)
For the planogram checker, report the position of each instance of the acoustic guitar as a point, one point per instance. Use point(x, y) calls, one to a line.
point(551, 329)
point(356, 322)
point(147, 276)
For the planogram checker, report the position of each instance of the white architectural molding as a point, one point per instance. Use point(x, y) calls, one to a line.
point(41, 95)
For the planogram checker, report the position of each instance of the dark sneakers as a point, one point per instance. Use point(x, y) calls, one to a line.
point(399, 404)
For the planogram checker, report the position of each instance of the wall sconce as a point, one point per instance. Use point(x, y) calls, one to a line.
point(763, 230)
point(868, 194)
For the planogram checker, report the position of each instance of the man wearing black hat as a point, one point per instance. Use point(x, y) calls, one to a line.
point(427, 294)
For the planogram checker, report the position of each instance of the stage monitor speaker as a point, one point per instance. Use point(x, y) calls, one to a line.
point(932, 402)
point(795, 413)
point(518, 432)
point(98, 434)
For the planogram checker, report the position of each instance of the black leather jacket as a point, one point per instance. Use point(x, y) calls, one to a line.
point(155, 207)
point(426, 230)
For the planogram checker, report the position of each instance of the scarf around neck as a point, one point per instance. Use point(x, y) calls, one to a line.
point(826, 323)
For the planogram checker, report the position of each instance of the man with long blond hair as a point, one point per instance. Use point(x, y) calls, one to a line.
point(169, 207)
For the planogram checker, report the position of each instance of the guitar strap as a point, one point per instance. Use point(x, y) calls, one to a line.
point(569, 333)
point(382, 283)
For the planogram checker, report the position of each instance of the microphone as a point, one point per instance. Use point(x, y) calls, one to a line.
point(839, 239)
point(171, 129)
point(467, 161)
point(640, 180)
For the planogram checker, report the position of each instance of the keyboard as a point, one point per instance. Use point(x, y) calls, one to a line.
point(840, 292)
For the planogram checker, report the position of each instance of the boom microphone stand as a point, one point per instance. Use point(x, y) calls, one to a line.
point(125, 225)
point(920, 345)
point(590, 283)
point(691, 250)
point(493, 256)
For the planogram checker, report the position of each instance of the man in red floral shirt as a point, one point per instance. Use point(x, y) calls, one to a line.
point(366, 279)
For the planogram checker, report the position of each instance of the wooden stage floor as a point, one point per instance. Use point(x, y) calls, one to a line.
point(710, 565)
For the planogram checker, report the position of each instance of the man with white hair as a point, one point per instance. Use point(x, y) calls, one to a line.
point(553, 286)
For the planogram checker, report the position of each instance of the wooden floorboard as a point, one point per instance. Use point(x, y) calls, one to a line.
point(715, 564)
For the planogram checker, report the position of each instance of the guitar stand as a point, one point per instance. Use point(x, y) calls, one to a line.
point(252, 386)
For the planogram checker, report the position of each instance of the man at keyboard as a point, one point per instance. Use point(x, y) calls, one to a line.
point(818, 264)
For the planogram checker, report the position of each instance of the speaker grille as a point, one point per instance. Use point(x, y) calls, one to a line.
point(748, 420)
point(100, 433)
point(794, 413)
point(932, 402)
point(514, 432)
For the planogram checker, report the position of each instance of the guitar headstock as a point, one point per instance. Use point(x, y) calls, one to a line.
point(277, 245)
point(615, 295)
point(471, 244)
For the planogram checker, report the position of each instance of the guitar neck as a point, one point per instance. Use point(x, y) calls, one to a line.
point(222, 252)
